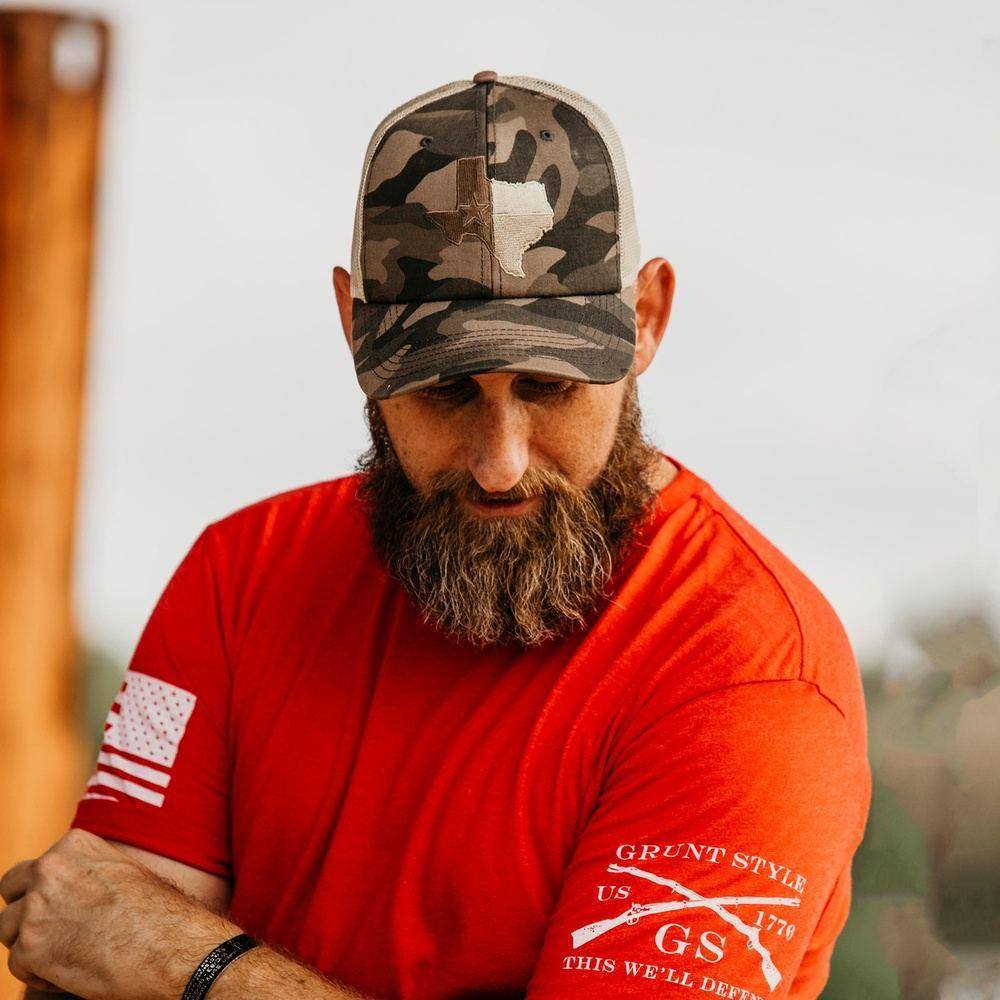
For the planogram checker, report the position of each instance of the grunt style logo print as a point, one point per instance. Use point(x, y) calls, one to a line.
point(700, 929)
point(691, 900)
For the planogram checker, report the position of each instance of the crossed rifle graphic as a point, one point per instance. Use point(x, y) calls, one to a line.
point(691, 901)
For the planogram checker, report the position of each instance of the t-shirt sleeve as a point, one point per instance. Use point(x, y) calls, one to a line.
point(723, 829)
point(162, 778)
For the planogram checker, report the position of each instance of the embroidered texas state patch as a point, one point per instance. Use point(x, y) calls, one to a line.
point(506, 217)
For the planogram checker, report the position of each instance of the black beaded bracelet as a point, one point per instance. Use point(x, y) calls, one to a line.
point(214, 962)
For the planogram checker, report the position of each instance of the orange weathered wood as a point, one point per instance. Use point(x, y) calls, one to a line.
point(50, 110)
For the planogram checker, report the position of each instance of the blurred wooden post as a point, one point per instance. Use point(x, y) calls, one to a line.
point(52, 72)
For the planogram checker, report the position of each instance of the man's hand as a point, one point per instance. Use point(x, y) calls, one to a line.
point(85, 918)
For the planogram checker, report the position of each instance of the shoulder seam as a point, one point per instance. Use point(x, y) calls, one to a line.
point(759, 680)
point(781, 587)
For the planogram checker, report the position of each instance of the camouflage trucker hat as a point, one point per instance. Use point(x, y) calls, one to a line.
point(494, 232)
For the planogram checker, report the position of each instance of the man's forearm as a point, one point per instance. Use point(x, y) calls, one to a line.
point(172, 933)
point(262, 973)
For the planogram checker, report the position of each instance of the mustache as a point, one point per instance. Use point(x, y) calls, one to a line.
point(534, 482)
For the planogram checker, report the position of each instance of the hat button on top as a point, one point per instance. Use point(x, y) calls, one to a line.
point(485, 76)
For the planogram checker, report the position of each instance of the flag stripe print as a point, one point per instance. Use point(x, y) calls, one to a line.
point(132, 788)
point(145, 725)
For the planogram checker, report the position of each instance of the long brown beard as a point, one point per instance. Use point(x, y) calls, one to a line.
point(523, 578)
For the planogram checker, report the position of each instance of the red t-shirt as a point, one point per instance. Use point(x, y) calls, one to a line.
point(664, 805)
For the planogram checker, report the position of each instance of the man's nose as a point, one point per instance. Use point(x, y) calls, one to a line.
point(499, 447)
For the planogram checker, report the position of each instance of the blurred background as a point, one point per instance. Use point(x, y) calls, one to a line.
point(178, 179)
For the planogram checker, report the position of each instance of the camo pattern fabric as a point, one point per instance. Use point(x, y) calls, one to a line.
point(490, 241)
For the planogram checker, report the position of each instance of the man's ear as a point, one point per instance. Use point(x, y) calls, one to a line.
point(345, 303)
point(654, 294)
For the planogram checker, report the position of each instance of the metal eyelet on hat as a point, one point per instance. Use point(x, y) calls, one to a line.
point(546, 135)
point(426, 141)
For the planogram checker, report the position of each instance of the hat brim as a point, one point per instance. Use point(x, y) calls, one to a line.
point(403, 346)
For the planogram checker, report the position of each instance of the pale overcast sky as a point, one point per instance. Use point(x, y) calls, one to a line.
point(824, 177)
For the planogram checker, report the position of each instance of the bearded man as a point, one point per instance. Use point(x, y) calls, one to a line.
point(523, 707)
